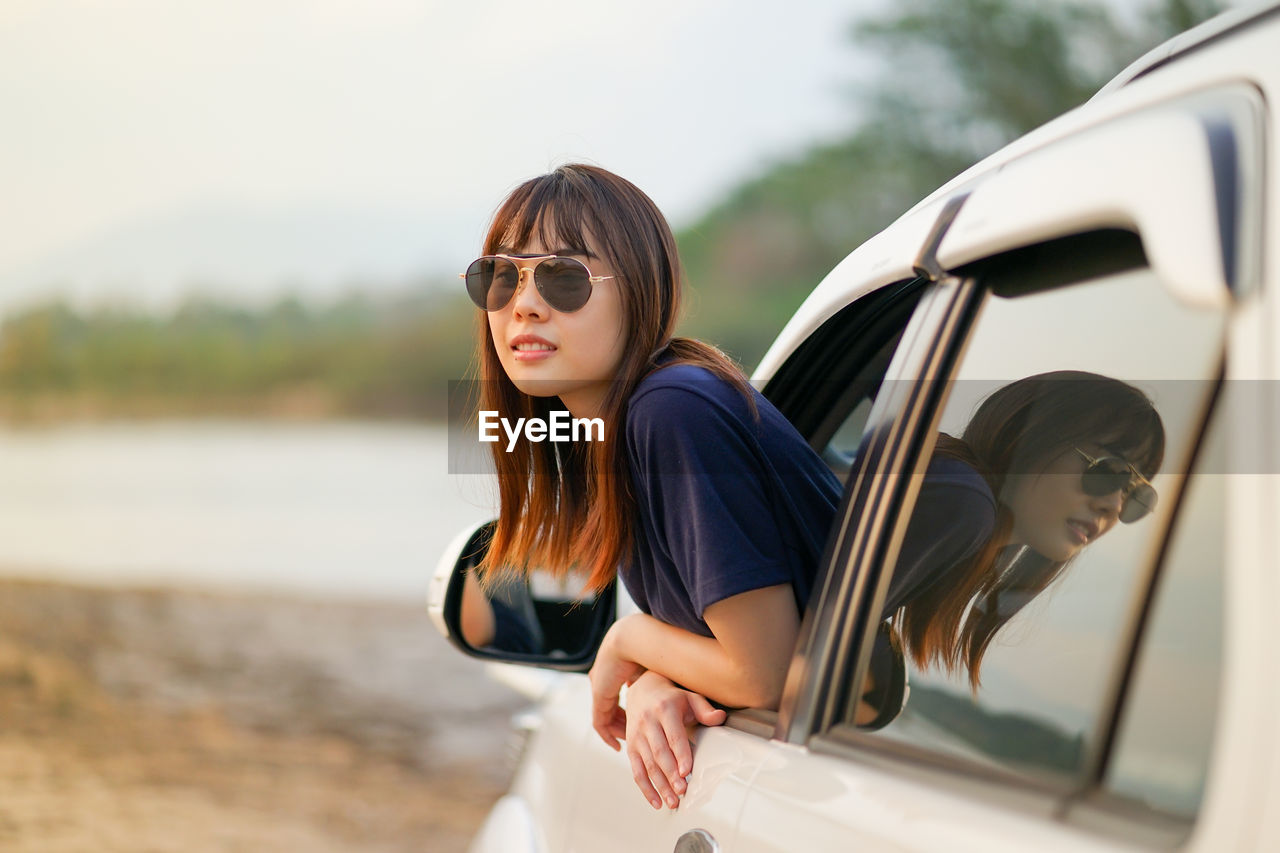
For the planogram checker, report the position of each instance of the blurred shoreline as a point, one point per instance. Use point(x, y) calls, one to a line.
point(167, 719)
point(344, 509)
point(305, 402)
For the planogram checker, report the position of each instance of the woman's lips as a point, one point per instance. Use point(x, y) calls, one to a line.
point(1081, 531)
point(532, 354)
point(531, 348)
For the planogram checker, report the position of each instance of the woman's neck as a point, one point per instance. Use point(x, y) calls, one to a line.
point(586, 402)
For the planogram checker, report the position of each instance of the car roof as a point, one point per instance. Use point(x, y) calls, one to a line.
point(1193, 39)
point(888, 256)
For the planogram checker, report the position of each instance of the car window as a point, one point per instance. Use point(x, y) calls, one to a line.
point(1160, 759)
point(1013, 588)
point(842, 448)
point(827, 387)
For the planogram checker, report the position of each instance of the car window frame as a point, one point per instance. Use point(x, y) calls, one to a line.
point(837, 613)
point(862, 573)
point(827, 625)
point(806, 389)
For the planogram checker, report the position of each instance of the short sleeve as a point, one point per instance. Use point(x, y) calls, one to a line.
point(698, 469)
point(952, 519)
point(514, 629)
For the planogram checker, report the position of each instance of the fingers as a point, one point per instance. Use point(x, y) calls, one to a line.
point(607, 717)
point(671, 755)
point(704, 712)
point(640, 773)
point(655, 741)
point(611, 726)
point(649, 774)
point(669, 742)
point(657, 734)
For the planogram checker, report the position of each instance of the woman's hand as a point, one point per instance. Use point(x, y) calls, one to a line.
point(610, 671)
point(657, 722)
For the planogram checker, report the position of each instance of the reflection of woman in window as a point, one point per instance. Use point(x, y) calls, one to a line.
point(1047, 465)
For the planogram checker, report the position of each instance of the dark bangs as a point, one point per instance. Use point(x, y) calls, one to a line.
point(1022, 427)
point(1138, 437)
point(549, 208)
point(1115, 416)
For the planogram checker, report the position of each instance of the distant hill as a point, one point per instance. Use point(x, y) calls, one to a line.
point(242, 253)
point(960, 78)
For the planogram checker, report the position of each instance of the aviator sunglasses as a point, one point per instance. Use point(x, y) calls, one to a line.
point(1112, 474)
point(564, 283)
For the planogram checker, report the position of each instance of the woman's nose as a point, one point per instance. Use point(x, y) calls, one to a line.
point(1108, 504)
point(527, 301)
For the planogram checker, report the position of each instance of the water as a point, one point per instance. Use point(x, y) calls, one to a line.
point(335, 509)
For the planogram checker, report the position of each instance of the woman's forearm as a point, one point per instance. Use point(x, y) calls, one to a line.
point(704, 664)
point(477, 614)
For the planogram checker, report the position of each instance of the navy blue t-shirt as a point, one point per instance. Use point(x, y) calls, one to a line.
point(954, 516)
point(726, 503)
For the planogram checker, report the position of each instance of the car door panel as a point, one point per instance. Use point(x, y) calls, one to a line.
point(585, 796)
point(806, 801)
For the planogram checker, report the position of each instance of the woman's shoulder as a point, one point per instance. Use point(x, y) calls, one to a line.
point(690, 403)
point(684, 385)
point(949, 472)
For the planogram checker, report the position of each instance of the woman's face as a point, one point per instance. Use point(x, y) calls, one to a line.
point(546, 352)
point(1051, 511)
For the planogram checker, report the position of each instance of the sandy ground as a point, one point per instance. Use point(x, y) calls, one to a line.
point(150, 720)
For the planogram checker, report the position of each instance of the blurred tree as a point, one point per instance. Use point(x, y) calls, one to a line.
point(959, 79)
point(357, 356)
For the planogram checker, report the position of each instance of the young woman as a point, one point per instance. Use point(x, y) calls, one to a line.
point(700, 495)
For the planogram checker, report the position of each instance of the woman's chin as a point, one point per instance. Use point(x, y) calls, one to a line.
point(1063, 552)
point(535, 386)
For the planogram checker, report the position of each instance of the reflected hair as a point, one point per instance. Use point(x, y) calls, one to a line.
point(1020, 429)
point(569, 507)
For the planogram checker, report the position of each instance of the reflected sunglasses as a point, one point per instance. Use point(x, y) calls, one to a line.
point(1112, 474)
point(564, 283)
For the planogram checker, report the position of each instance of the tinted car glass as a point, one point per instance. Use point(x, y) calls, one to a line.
point(1038, 601)
point(1160, 760)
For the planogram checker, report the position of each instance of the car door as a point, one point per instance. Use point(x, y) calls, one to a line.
point(1085, 256)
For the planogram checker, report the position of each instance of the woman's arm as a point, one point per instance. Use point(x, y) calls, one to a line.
point(477, 615)
point(743, 665)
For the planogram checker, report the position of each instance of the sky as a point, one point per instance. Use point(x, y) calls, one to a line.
point(252, 146)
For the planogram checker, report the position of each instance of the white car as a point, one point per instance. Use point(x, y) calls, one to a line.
point(1136, 703)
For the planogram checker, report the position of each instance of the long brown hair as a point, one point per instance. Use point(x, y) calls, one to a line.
point(1019, 429)
point(569, 506)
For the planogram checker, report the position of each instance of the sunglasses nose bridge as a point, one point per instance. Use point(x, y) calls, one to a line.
point(530, 266)
point(1112, 500)
point(522, 291)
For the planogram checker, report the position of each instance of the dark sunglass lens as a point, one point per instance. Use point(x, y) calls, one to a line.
point(491, 282)
point(1140, 501)
point(1106, 476)
point(564, 283)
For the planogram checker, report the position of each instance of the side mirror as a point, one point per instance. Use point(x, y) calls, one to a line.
point(537, 622)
